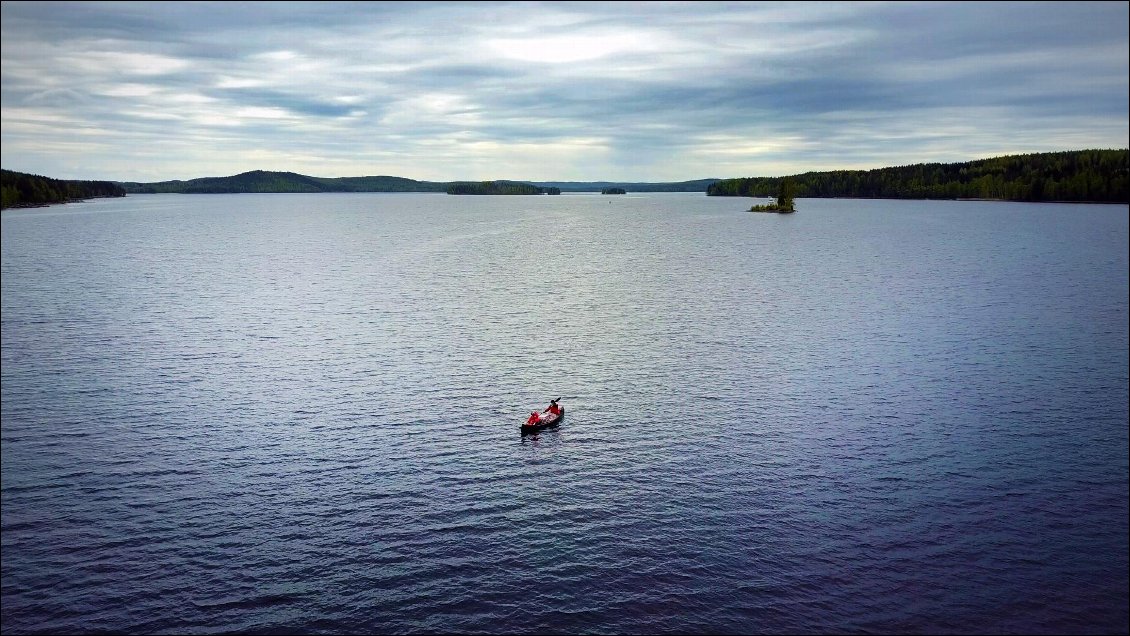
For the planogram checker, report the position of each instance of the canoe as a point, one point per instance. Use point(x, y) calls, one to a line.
point(545, 423)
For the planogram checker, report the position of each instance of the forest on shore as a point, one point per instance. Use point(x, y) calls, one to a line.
point(29, 190)
point(1094, 176)
point(499, 187)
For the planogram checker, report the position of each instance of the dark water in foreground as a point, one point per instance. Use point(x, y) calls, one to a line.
point(299, 413)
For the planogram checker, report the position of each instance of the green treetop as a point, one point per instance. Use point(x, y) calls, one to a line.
point(786, 192)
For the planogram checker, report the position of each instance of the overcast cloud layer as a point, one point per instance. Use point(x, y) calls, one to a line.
point(552, 91)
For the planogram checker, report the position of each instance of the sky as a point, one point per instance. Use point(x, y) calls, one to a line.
point(553, 91)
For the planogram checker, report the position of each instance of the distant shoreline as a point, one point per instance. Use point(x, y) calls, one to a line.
point(1080, 176)
point(1099, 176)
point(26, 206)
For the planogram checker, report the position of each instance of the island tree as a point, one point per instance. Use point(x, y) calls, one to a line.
point(786, 192)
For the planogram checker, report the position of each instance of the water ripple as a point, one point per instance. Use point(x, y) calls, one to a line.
point(298, 414)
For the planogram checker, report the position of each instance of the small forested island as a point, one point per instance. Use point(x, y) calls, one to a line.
point(614, 191)
point(499, 187)
point(784, 203)
point(1090, 176)
point(21, 190)
point(697, 185)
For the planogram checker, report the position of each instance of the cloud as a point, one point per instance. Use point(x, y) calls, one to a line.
point(553, 91)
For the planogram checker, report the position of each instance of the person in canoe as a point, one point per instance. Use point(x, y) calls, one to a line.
point(534, 418)
point(553, 409)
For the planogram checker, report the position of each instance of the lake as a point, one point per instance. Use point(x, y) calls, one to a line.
point(300, 414)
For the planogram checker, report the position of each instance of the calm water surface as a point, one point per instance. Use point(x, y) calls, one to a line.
point(299, 413)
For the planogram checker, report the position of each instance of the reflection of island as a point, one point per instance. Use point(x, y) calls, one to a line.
point(784, 202)
point(499, 187)
point(614, 191)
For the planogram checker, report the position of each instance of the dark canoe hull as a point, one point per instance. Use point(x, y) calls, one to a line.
point(533, 428)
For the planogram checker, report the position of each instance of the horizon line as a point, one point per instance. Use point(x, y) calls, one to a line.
point(610, 181)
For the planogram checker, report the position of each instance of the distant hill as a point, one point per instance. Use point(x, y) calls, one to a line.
point(264, 181)
point(24, 190)
point(1092, 176)
point(386, 184)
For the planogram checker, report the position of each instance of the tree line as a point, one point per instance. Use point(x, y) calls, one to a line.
point(18, 189)
point(697, 185)
point(1099, 176)
point(499, 187)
